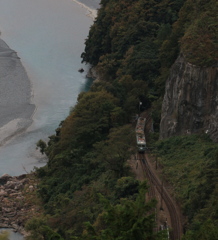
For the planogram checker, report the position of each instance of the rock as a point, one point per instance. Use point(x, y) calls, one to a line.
point(19, 197)
point(24, 181)
point(3, 193)
point(190, 103)
point(92, 73)
point(31, 188)
point(4, 201)
point(14, 210)
point(81, 70)
point(15, 194)
point(10, 184)
point(4, 178)
point(9, 191)
point(14, 185)
point(22, 177)
point(6, 210)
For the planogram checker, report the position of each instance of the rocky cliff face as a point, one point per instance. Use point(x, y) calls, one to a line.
point(191, 100)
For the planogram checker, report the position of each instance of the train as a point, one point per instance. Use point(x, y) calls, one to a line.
point(140, 134)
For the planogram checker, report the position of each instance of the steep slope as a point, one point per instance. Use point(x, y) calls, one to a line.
point(190, 163)
point(191, 102)
point(133, 45)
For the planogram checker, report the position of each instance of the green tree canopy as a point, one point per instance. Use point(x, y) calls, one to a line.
point(129, 220)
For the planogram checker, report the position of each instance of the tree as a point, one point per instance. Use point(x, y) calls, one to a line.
point(117, 149)
point(42, 146)
point(129, 220)
point(126, 187)
point(90, 120)
point(40, 231)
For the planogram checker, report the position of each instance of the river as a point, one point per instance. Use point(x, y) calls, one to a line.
point(48, 36)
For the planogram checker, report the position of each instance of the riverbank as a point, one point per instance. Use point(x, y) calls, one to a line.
point(17, 201)
point(91, 12)
point(15, 95)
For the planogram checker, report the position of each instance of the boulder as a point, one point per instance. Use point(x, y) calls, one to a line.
point(4, 178)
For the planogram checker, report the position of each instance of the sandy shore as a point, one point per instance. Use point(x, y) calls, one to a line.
point(16, 109)
point(90, 11)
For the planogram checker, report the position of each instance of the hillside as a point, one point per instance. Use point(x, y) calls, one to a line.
point(190, 163)
point(87, 187)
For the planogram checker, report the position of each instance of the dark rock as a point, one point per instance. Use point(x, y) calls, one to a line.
point(81, 70)
point(21, 177)
point(92, 73)
point(4, 178)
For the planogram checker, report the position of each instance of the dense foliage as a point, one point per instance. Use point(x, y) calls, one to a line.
point(138, 41)
point(124, 221)
point(132, 44)
point(199, 42)
point(127, 42)
point(87, 163)
point(191, 165)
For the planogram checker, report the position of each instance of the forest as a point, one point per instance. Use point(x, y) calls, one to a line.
point(87, 188)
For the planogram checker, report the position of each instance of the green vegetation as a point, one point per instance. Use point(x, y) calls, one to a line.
point(87, 163)
point(191, 165)
point(200, 40)
point(134, 43)
point(116, 225)
point(4, 235)
point(127, 44)
point(87, 188)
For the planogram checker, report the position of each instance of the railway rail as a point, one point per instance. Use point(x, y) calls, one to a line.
point(156, 185)
point(151, 189)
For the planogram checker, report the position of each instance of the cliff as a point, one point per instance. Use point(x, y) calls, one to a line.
point(190, 102)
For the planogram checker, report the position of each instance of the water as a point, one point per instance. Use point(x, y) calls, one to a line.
point(12, 235)
point(48, 36)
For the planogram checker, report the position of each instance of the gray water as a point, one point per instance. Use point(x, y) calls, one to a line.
point(12, 235)
point(48, 36)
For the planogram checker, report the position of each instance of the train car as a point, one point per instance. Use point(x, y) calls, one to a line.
point(141, 143)
point(140, 134)
point(140, 125)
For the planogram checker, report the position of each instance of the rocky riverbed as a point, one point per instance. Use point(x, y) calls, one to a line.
point(15, 207)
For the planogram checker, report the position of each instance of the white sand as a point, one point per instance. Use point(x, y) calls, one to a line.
point(13, 128)
point(16, 109)
point(90, 12)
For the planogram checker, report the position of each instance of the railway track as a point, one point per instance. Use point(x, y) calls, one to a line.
point(151, 189)
point(156, 185)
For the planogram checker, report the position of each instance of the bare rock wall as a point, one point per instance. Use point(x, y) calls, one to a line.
point(190, 103)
